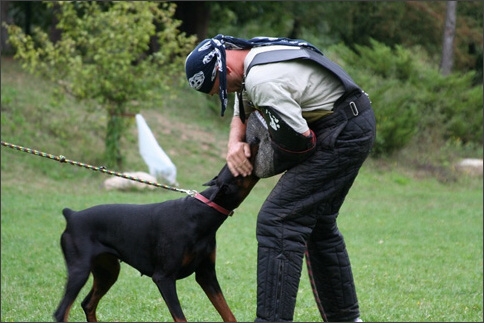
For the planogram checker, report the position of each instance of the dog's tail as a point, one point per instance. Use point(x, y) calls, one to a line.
point(67, 213)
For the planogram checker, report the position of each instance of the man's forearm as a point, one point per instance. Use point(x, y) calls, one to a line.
point(237, 131)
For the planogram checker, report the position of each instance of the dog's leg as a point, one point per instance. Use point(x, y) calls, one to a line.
point(206, 277)
point(105, 270)
point(78, 270)
point(77, 277)
point(167, 288)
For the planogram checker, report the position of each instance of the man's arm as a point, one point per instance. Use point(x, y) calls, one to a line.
point(238, 153)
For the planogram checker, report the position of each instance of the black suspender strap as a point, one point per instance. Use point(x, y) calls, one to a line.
point(280, 55)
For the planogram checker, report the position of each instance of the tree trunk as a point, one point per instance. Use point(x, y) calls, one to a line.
point(55, 34)
point(195, 16)
point(5, 47)
point(114, 133)
point(448, 39)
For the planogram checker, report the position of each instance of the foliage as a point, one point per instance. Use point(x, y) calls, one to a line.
point(410, 96)
point(324, 23)
point(20, 12)
point(454, 103)
point(104, 56)
point(380, 70)
point(234, 18)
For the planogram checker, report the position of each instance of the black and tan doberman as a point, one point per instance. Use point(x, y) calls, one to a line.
point(166, 241)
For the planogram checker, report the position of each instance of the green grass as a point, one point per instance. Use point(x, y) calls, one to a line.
point(415, 243)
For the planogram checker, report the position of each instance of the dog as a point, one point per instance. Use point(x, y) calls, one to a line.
point(166, 241)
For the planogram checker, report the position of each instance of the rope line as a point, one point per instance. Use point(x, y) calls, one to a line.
point(102, 169)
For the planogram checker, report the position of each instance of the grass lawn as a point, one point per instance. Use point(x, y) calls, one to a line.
point(415, 243)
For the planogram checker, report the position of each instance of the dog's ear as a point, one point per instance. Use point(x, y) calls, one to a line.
point(212, 182)
point(220, 189)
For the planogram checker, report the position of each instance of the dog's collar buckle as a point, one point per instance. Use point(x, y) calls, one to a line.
point(213, 205)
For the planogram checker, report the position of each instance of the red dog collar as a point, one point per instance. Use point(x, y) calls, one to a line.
point(217, 207)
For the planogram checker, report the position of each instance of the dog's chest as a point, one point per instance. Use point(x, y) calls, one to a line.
point(199, 254)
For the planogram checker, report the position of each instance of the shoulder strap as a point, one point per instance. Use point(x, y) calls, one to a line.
point(280, 55)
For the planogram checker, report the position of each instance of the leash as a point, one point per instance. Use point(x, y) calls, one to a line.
point(101, 169)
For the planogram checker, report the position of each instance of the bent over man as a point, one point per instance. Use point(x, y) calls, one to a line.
point(317, 129)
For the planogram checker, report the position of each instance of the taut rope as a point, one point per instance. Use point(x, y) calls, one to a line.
point(101, 169)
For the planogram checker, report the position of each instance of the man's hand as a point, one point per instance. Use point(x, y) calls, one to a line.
point(238, 153)
point(238, 159)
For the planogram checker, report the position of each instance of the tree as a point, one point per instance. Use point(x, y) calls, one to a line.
point(195, 17)
point(103, 56)
point(448, 38)
point(324, 23)
point(4, 45)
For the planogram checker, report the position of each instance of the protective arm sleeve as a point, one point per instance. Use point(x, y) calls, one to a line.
point(280, 147)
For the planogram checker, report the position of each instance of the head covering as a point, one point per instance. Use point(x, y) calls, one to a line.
point(201, 67)
point(202, 64)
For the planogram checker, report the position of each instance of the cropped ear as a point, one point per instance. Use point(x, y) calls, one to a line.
point(218, 190)
point(212, 182)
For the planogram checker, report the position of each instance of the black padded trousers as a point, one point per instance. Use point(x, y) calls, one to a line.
point(299, 217)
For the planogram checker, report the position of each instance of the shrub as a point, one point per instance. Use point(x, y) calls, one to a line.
point(383, 74)
point(410, 96)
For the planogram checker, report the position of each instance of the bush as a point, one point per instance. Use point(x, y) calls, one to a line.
point(383, 73)
point(410, 96)
point(457, 102)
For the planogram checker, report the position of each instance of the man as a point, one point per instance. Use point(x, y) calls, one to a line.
point(319, 130)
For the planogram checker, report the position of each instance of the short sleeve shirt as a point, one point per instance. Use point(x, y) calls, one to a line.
point(295, 88)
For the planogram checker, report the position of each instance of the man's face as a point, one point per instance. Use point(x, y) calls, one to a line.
point(215, 86)
point(232, 82)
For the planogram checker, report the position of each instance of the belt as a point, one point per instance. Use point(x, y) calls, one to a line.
point(315, 115)
point(351, 105)
point(354, 104)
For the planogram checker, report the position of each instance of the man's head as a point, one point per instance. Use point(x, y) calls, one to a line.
point(209, 57)
point(201, 68)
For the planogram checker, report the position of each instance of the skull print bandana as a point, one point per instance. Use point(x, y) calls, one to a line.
point(201, 68)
